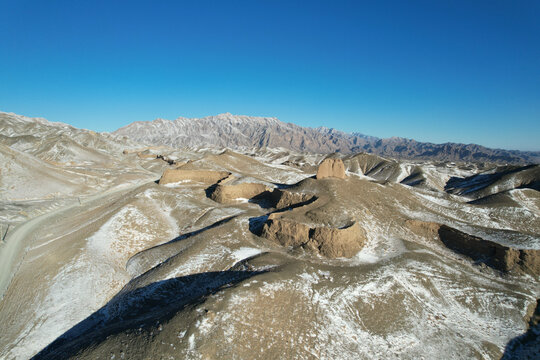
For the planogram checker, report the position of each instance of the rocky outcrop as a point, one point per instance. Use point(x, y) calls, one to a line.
point(330, 242)
point(495, 255)
point(204, 176)
point(331, 168)
point(230, 193)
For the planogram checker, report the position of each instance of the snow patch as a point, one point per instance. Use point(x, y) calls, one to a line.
point(245, 253)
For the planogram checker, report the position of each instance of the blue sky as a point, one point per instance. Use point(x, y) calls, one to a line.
point(439, 71)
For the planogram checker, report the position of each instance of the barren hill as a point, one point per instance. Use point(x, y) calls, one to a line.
point(238, 131)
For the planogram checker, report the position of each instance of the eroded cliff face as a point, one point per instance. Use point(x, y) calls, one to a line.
point(498, 256)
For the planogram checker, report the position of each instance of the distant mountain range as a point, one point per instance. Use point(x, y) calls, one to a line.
point(238, 131)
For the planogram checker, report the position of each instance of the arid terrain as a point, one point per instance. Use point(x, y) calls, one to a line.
point(120, 246)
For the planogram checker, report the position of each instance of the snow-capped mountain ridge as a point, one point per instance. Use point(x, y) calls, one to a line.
point(241, 131)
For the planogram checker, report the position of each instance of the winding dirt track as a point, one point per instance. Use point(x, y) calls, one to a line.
point(18, 242)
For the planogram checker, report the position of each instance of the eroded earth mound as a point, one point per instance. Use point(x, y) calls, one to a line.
point(327, 241)
point(498, 256)
point(224, 193)
point(331, 168)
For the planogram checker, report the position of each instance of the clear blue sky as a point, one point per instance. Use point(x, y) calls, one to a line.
point(460, 71)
